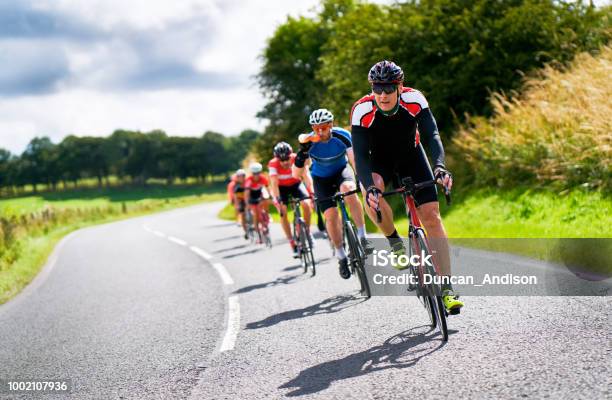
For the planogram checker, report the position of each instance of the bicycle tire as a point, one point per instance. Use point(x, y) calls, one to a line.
point(308, 248)
point(356, 255)
point(437, 309)
point(301, 244)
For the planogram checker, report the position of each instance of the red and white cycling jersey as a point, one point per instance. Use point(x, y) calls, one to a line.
point(285, 178)
point(253, 184)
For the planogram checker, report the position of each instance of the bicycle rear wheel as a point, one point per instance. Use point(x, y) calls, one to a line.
point(357, 257)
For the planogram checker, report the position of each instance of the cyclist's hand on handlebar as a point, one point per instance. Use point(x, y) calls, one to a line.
point(443, 177)
point(372, 197)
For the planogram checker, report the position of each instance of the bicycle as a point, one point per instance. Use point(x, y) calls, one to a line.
point(250, 226)
point(356, 253)
point(302, 238)
point(264, 229)
point(429, 294)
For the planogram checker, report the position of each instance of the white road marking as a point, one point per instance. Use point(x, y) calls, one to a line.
point(233, 324)
point(200, 252)
point(177, 240)
point(225, 276)
point(160, 234)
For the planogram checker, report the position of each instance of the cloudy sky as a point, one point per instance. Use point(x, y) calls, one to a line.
point(89, 67)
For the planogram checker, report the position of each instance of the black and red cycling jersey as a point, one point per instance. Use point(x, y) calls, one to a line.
point(391, 138)
point(285, 177)
point(253, 184)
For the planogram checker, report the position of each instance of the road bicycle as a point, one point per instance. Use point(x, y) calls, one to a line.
point(430, 294)
point(302, 238)
point(250, 227)
point(356, 253)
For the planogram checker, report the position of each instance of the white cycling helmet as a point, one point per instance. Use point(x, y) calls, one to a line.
point(240, 172)
point(255, 168)
point(320, 116)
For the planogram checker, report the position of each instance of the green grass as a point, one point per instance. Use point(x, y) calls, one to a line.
point(95, 206)
point(521, 213)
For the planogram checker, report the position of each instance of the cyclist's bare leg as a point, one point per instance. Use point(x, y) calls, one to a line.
point(334, 226)
point(386, 225)
point(353, 203)
point(429, 214)
point(242, 219)
point(285, 222)
point(307, 211)
point(255, 210)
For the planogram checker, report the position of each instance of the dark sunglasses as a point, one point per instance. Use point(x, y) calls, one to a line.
point(284, 158)
point(388, 88)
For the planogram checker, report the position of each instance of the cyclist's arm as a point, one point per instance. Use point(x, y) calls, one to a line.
point(428, 130)
point(301, 159)
point(307, 179)
point(361, 149)
point(351, 157)
point(274, 186)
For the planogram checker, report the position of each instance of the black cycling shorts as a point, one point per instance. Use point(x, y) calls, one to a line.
point(297, 191)
point(414, 165)
point(329, 186)
point(255, 196)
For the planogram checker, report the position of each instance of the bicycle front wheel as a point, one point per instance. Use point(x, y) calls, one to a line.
point(306, 241)
point(433, 300)
point(357, 257)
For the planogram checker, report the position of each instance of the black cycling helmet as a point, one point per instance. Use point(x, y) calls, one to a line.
point(385, 72)
point(282, 150)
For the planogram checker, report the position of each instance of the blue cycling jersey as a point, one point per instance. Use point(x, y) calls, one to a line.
point(328, 158)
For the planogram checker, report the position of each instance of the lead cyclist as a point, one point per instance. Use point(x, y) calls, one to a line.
point(387, 128)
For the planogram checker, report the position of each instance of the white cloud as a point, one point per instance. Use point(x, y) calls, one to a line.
point(115, 77)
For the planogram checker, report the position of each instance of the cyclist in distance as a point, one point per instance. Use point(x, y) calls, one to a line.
point(387, 127)
point(283, 185)
point(257, 194)
point(328, 148)
point(238, 198)
point(230, 193)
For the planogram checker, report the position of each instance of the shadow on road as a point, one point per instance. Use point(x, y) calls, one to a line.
point(243, 253)
point(327, 306)
point(403, 350)
point(283, 280)
point(292, 267)
point(221, 225)
point(240, 246)
point(227, 238)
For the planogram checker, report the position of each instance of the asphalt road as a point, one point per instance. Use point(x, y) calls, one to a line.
point(178, 305)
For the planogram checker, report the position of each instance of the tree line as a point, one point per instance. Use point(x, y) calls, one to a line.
point(457, 52)
point(130, 155)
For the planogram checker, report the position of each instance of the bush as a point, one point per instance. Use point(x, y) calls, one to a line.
point(557, 134)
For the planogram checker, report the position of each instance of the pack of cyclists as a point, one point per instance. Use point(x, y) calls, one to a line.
point(388, 129)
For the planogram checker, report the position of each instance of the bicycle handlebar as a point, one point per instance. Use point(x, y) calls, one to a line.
point(411, 188)
point(293, 201)
point(338, 195)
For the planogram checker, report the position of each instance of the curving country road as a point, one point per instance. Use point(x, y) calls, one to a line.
point(178, 305)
